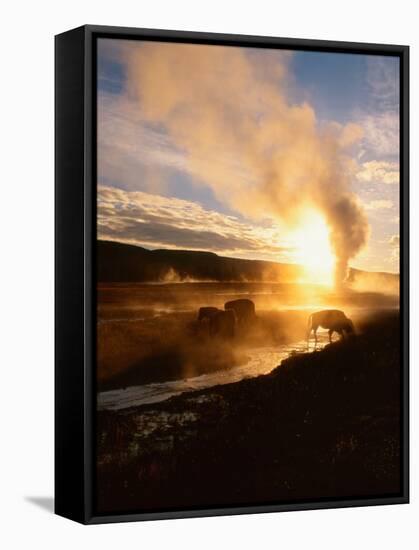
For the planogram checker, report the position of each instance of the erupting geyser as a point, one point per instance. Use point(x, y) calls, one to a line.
point(263, 155)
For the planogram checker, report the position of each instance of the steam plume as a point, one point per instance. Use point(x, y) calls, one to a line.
point(229, 111)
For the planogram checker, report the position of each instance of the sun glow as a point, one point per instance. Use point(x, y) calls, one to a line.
point(313, 250)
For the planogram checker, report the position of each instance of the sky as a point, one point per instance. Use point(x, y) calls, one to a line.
point(230, 149)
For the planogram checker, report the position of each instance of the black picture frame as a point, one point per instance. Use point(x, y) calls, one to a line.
point(75, 264)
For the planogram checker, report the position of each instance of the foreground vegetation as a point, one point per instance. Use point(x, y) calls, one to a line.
point(322, 425)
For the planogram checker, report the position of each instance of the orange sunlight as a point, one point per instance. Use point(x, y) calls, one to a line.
point(313, 250)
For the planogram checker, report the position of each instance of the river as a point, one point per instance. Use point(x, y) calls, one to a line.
point(261, 361)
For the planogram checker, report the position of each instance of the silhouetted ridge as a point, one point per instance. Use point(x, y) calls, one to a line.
point(118, 262)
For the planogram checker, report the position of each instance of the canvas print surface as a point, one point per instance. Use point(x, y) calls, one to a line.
point(248, 332)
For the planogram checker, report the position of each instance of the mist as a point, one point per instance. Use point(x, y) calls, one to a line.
point(230, 112)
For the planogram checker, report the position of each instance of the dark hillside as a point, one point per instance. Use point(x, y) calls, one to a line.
point(124, 263)
point(118, 262)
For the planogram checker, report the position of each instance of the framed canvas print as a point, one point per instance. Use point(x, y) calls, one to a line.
point(231, 274)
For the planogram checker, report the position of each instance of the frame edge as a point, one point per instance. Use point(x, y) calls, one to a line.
point(69, 275)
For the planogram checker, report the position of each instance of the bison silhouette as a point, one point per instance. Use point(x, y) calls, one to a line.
point(332, 319)
point(223, 324)
point(207, 312)
point(244, 310)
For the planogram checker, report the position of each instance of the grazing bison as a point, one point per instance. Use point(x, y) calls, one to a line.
point(332, 319)
point(207, 313)
point(223, 324)
point(244, 310)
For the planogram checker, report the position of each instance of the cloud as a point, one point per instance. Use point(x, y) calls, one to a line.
point(381, 133)
point(394, 242)
point(155, 221)
point(130, 151)
point(383, 82)
point(381, 118)
point(379, 172)
point(379, 204)
point(351, 134)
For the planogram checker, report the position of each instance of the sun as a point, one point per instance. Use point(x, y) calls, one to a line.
point(312, 248)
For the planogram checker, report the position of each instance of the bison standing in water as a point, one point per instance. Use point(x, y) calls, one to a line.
point(332, 319)
point(207, 312)
point(219, 323)
point(223, 324)
point(244, 310)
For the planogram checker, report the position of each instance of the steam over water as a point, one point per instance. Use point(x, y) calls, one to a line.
point(261, 361)
point(148, 351)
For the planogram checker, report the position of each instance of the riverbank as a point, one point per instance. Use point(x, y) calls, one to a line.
point(174, 346)
point(321, 425)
